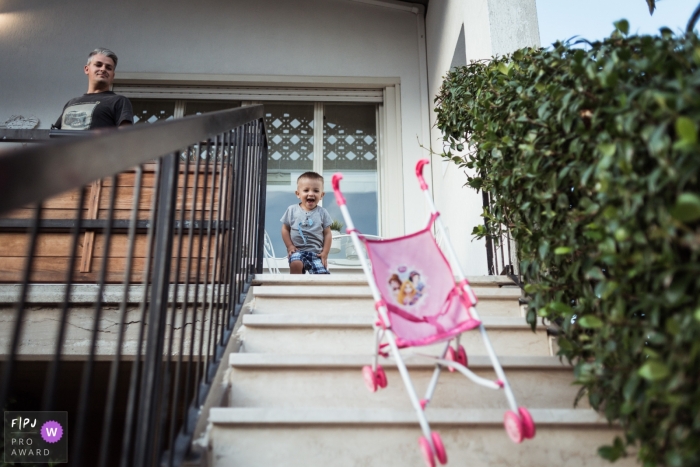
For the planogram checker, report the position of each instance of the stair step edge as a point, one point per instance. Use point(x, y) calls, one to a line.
point(322, 291)
point(339, 416)
point(359, 321)
point(356, 279)
point(265, 360)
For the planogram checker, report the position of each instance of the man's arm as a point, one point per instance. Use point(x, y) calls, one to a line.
point(124, 112)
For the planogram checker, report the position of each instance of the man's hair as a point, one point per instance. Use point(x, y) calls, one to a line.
point(106, 53)
point(310, 176)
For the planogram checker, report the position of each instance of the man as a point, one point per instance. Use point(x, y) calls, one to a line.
point(99, 107)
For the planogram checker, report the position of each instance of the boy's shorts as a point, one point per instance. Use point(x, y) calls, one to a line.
point(312, 262)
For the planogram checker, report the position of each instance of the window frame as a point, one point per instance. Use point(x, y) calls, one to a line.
point(385, 92)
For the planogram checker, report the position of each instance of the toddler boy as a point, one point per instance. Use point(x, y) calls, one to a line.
point(306, 228)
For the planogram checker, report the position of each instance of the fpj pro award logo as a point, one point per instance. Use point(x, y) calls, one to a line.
point(39, 437)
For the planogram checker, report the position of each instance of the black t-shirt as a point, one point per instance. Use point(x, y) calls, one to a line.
point(98, 110)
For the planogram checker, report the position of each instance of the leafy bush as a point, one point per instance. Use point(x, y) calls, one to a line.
point(591, 160)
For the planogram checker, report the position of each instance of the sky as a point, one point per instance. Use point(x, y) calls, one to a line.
point(593, 19)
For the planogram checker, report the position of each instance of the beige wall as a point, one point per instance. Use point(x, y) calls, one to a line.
point(491, 27)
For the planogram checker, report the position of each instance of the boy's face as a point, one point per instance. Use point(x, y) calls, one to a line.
point(309, 192)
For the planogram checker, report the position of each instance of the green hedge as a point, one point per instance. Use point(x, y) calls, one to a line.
point(591, 160)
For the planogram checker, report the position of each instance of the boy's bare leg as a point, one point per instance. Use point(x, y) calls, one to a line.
point(297, 267)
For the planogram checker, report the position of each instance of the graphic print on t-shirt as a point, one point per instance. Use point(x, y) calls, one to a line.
point(78, 116)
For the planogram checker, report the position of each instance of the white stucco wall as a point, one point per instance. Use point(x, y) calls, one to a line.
point(491, 27)
point(513, 25)
point(43, 47)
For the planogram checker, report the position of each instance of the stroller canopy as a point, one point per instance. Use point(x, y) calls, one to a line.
point(417, 284)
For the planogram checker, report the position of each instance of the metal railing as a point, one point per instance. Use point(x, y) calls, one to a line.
point(178, 237)
point(501, 250)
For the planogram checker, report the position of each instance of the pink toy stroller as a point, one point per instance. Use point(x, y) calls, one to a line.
point(418, 303)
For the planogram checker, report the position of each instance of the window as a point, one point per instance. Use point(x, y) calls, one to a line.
point(360, 137)
point(346, 142)
point(154, 110)
point(290, 152)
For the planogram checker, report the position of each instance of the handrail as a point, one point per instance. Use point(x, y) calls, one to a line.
point(62, 165)
point(176, 227)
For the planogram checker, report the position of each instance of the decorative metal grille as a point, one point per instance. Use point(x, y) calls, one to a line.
point(349, 137)
point(290, 131)
point(153, 110)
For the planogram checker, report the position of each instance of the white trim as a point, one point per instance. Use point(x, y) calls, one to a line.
point(179, 109)
point(424, 99)
point(379, 119)
point(249, 89)
point(139, 91)
point(393, 5)
point(390, 165)
point(318, 139)
point(279, 81)
point(396, 164)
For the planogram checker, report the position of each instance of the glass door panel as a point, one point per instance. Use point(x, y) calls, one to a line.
point(290, 152)
point(350, 147)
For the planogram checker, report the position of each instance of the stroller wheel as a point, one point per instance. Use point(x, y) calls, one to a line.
point(528, 423)
point(452, 357)
point(462, 356)
point(370, 380)
point(440, 452)
point(427, 452)
point(514, 427)
point(381, 377)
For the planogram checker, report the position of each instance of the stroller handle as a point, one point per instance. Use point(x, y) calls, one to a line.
point(419, 173)
point(339, 198)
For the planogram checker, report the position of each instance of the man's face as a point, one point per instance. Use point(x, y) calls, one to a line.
point(309, 192)
point(100, 71)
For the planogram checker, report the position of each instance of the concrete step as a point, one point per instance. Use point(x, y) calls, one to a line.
point(385, 437)
point(359, 279)
point(315, 333)
point(336, 381)
point(324, 299)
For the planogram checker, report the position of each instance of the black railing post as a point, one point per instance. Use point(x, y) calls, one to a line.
point(6, 382)
point(151, 377)
point(262, 196)
point(88, 368)
point(489, 242)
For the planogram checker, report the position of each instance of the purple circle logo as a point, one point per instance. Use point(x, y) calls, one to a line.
point(51, 431)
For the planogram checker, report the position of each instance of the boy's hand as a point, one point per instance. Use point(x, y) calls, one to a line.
point(324, 258)
point(291, 249)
